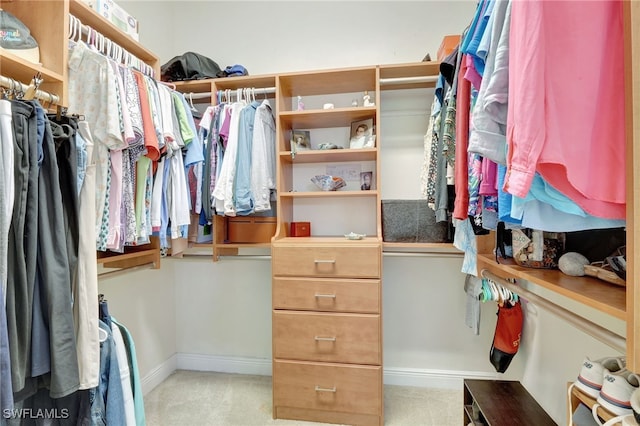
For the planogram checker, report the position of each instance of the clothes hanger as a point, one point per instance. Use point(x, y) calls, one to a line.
point(102, 335)
point(193, 108)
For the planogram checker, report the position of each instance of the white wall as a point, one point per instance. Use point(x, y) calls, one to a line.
point(144, 301)
point(222, 310)
point(280, 36)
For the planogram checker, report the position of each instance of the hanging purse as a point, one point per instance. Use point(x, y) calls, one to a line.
point(506, 340)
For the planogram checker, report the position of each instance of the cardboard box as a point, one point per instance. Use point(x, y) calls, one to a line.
point(117, 16)
point(250, 229)
point(447, 46)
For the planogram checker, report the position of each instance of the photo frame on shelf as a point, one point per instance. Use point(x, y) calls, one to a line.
point(366, 181)
point(362, 134)
point(300, 140)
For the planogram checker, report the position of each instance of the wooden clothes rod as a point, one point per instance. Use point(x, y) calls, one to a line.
point(11, 84)
point(592, 329)
point(113, 274)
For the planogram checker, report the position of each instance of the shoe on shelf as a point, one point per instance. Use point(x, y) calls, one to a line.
point(592, 373)
point(615, 395)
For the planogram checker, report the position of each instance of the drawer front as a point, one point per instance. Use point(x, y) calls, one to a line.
point(348, 338)
point(326, 294)
point(357, 261)
point(331, 387)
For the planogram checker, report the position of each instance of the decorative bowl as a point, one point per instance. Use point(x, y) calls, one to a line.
point(328, 183)
point(354, 236)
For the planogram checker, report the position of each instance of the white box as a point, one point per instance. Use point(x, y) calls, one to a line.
point(117, 16)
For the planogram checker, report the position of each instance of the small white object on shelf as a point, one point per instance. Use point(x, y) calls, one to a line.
point(366, 100)
point(300, 104)
point(354, 236)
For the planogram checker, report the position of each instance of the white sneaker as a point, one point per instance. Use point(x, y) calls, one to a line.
point(635, 404)
point(593, 372)
point(615, 395)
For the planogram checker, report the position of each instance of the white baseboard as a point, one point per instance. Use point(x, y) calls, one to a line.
point(426, 378)
point(159, 374)
point(435, 379)
point(224, 364)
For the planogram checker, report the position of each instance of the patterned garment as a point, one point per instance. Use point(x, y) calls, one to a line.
point(432, 171)
point(449, 134)
point(133, 106)
point(131, 155)
point(93, 93)
point(475, 175)
point(103, 230)
point(426, 159)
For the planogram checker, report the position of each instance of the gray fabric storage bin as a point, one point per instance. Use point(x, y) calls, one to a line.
point(411, 221)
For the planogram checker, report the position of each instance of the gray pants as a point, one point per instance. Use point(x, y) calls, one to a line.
point(23, 237)
point(38, 256)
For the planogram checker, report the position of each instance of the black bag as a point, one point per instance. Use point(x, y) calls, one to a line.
point(190, 66)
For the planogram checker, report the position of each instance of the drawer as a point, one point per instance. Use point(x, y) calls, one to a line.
point(326, 260)
point(329, 387)
point(347, 338)
point(326, 294)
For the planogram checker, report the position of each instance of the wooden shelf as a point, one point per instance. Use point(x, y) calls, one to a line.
point(90, 17)
point(420, 247)
point(321, 118)
point(346, 80)
point(334, 240)
point(578, 396)
point(330, 155)
point(244, 245)
point(330, 194)
point(23, 70)
point(592, 292)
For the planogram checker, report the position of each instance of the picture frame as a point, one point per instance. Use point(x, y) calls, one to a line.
point(362, 134)
point(300, 140)
point(366, 181)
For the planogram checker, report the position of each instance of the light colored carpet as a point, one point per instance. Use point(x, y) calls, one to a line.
point(192, 398)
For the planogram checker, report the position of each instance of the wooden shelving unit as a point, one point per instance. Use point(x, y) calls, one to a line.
point(48, 22)
point(592, 292)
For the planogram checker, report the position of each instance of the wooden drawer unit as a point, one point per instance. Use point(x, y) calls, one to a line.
point(324, 260)
point(328, 387)
point(327, 294)
point(346, 338)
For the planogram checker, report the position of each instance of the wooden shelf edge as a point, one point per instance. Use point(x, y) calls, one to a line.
point(420, 247)
point(26, 68)
point(320, 194)
point(129, 260)
point(90, 17)
point(590, 402)
point(597, 294)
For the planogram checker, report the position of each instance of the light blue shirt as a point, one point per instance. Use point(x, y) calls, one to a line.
point(243, 200)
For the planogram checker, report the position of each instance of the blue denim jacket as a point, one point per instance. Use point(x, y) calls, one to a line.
point(107, 400)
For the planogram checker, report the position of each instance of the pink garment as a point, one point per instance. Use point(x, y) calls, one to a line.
point(488, 183)
point(472, 74)
point(566, 102)
point(463, 103)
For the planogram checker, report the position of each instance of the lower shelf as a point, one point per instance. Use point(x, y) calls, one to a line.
point(133, 256)
point(578, 397)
